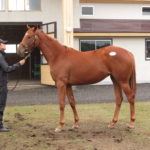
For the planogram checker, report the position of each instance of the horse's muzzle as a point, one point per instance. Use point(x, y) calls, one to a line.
point(21, 51)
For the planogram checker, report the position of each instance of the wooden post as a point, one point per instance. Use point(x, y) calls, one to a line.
point(68, 22)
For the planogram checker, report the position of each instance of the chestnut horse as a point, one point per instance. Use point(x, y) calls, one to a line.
point(71, 67)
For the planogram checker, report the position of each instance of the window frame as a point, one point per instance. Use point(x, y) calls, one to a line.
point(87, 6)
point(109, 39)
point(25, 10)
point(146, 58)
point(4, 5)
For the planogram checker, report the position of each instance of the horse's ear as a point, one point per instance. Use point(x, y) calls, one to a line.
point(36, 27)
point(28, 27)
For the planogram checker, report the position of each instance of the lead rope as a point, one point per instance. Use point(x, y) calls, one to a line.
point(27, 56)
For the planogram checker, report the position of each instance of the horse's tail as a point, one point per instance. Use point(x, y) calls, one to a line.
point(133, 79)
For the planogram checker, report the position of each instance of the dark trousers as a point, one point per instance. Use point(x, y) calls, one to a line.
point(3, 98)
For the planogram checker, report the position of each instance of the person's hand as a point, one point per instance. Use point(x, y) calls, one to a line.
point(22, 62)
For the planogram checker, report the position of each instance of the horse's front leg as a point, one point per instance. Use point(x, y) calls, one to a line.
point(72, 104)
point(61, 86)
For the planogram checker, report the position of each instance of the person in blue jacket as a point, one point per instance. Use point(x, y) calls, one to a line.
point(4, 69)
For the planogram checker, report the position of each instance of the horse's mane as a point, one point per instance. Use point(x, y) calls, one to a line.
point(40, 31)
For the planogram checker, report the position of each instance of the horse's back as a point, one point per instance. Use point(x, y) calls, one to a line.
point(111, 58)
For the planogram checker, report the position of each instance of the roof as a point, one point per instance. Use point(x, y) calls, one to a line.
point(113, 26)
point(117, 1)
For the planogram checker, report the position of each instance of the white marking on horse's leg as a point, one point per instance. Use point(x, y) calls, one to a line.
point(75, 126)
point(130, 126)
point(110, 126)
point(57, 130)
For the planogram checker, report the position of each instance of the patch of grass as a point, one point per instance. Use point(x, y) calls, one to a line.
point(32, 127)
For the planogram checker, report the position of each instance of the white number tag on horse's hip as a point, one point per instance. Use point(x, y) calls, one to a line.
point(112, 53)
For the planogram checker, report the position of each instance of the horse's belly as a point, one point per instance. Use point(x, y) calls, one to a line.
point(87, 78)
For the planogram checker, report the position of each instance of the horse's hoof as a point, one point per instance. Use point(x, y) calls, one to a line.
point(75, 126)
point(130, 126)
point(58, 130)
point(111, 125)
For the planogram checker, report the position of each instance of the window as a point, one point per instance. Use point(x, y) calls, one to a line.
point(146, 10)
point(11, 48)
point(16, 4)
point(87, 45)
point(87, 10)
point(1, 4)
point(24, 5)
point(147, 48)
point(33, 4)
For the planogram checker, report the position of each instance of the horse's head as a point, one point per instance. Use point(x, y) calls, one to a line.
point(29, 41)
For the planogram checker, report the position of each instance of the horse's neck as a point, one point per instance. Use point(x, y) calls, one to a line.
point(50, 48)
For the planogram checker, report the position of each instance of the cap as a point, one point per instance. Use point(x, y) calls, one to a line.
point(2, 41)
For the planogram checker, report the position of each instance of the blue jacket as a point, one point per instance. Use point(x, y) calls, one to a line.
point(5, 68)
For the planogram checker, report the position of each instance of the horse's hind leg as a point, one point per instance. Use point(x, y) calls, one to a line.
point(72, 104)
point(131, 98)
point(119, 98)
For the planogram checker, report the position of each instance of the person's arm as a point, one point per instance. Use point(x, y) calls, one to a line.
point(4, 65)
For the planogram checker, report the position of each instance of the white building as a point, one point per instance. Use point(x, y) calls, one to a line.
point(88, 24)
point(122, 23)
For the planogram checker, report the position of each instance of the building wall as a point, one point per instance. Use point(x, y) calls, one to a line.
point(134, 44)
point(117, 1)
point(116, 11)
point(137, 46)
point(76, 13)
point(51, 10)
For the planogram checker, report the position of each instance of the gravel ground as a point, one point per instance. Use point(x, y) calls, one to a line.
point(34, 93)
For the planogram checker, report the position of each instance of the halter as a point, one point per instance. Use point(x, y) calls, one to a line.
point(32, 43)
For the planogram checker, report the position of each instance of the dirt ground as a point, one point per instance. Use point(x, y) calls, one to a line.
point(84, 138)
point(32, 123)
point(32, 128)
